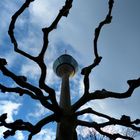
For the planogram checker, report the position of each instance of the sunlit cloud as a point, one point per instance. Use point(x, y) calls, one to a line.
point(19, 136)
point(9, 107)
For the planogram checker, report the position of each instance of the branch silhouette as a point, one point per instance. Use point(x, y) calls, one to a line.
point(24, 87)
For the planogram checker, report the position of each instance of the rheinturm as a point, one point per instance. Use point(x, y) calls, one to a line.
point(65, 67)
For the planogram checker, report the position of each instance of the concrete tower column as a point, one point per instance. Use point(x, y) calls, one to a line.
point(65, 66)
point(65, 101)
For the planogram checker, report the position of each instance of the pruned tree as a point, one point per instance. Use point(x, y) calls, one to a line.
point(49, 100)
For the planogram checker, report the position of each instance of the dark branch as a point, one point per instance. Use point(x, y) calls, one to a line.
point(25, 126)
point(28, 86)
point(12, 27)
point(21, 92)
point(40, 59)
point(133, 84)
point(103, 94)
point(98, 127)
point(107, 20)
point(124, 120)
point(91, 111)
point(87, 70)
point(37, 128)
point(13, 127)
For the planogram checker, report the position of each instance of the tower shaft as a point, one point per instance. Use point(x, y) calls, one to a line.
point(65, 102)
point(65, 128)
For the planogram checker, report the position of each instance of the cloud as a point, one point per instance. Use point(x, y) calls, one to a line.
point(2, 129)
point(45, 134)
point(43, 12)
point(19, 136)
point(38, 112)
point(7, 9)
point(31, 70)
point(9, 107)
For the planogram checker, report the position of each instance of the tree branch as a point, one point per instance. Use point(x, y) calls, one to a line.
point(12, 27)
point(21, 92)
point(103, 94)
point(87, 70)
point(124, 120)
point(91, 111)
point(98, 127)
point(26, 126)
point(107, 20)
point(21, 82)
point(37, 128)
point(40, 59)
point(133, 84)
point(13, 127)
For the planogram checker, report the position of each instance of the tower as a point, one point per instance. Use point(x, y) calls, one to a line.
point(65, 66)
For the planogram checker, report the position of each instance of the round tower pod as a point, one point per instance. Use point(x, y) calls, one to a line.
point(65, 64)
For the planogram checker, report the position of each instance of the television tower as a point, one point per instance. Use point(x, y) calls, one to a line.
point(65, 67)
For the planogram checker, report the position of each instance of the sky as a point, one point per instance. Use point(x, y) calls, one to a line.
point(118, 45)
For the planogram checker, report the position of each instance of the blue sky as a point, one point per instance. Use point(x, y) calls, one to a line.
point(118, 45)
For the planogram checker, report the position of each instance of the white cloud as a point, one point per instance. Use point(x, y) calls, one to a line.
point(2, 129)
point(51, 77)
point(19, 136)
point(30, 70)
point(9, 107)
point(45, 134)
point(85, 131)
point(43, 12)
point(38, 112)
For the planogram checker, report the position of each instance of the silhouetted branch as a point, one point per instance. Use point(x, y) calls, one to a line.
point(12, 27)
point(103, 94)
point(26, 126)
point(37, 128)
point(98, 128)
point(40, 59)
point(91, 111)
point(107, 20)
point(21, 92)
point(133, 84)
point(13, 39)
point(13, 127)
point(18, 90)
point(87, 70)
point(124, 120)
point(20, 81)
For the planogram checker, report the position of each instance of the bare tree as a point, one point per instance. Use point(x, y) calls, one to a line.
point(49, 101)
